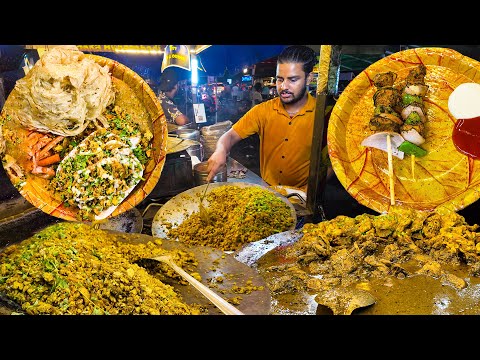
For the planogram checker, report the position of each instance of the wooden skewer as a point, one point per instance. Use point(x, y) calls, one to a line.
point(413, 166)
point(390, 170)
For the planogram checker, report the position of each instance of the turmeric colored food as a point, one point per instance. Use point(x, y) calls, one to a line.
point(237, 216)
point(401, 243)
point(72, 268)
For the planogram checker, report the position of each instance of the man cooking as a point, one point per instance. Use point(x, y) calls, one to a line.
point(284, 124)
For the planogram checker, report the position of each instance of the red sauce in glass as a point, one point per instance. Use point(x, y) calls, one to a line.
point(466, 137)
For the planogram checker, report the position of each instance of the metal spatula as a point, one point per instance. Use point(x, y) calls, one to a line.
point(202, 211)
point(217, 300)
point(342, 301)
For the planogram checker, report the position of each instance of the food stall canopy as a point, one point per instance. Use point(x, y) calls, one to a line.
point(214, 60)
point(177, 55)
point(145, 60)
point(133, 49)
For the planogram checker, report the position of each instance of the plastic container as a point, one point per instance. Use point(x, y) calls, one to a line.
point(200, 174)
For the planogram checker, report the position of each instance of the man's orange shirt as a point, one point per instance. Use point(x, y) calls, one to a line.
point(285, 143)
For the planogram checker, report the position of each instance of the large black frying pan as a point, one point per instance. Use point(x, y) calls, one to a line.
point(412, 295)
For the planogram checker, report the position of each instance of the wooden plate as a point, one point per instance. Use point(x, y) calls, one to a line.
point(133, 90)
point(444, 178)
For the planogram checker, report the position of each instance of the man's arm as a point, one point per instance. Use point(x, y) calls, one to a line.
point(219, 157)
point(182, 119)
point(172, 111)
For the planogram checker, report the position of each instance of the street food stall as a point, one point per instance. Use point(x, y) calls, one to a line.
point(101, 212)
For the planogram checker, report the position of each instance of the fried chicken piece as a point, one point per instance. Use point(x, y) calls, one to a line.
point(382, 109)
point(382, 123)
point(388, 96)
point(384, 79)
point(420, 128)
point(417, 75)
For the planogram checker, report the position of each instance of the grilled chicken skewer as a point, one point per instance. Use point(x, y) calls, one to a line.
point(413, 112)
point(399, 118)
point(386, 122)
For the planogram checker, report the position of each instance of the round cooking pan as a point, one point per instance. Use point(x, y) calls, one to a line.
point(177, 144)
point(213, 265)
point(130, 221)
point(181, 206)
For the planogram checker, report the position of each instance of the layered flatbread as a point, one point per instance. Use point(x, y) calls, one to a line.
point(63, 92)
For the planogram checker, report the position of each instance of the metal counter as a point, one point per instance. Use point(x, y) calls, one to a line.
point(250, 176)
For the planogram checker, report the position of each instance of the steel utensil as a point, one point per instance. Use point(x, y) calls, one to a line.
point(202, 211)
point(217, 300)
point(130, 221)
point(343, 301)
point(251, 252)
point(180, 207)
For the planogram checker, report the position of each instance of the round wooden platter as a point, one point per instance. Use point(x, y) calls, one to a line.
point(133, 90)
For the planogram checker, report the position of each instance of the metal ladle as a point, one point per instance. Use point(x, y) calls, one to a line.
point(202, 211)
point(343, 301)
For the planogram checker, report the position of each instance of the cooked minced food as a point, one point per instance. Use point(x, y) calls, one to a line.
point(404, 242)
point(237, 215)
point(72, 268)
point(97, 175)
point(98, 171)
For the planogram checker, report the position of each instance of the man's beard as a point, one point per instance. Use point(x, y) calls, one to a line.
point(295, 98)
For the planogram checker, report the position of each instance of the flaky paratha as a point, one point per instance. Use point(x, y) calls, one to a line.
point(63, 92)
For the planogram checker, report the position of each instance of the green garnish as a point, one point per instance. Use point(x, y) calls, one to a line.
point(411, 149)
point(413, 118)
point(407, 99)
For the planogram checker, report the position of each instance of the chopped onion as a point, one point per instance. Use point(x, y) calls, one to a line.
point(379, 141)
point(413, 136)
point(410, 108)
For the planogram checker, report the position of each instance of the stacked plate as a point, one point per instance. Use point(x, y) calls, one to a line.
point(211, 134)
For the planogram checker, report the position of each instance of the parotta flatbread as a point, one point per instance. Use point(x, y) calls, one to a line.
point(63, 92)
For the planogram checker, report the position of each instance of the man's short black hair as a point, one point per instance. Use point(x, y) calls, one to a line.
point(300, 54)
point(168, 80)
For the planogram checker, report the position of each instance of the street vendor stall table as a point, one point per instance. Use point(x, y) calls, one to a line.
point(250, 176)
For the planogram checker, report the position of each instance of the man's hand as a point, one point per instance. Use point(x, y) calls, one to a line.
point(219, 157)
point(215, 162)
